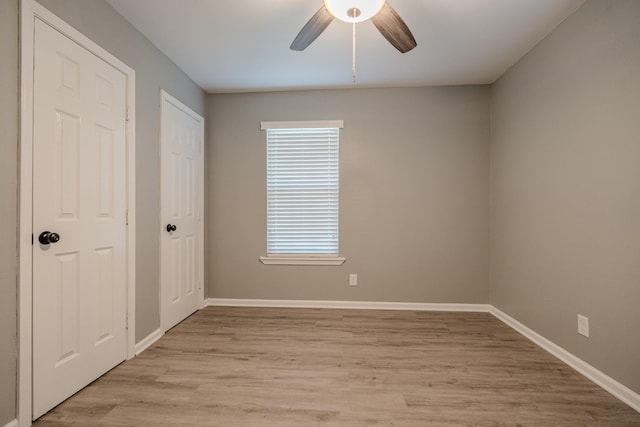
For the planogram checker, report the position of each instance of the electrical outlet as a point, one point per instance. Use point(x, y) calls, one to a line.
point(353, 280)
point(583, 325)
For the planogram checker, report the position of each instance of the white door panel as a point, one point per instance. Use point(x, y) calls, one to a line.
point(79, 160)
point(182, 197)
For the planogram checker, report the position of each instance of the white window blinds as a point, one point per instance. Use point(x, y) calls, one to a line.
point(302, 188)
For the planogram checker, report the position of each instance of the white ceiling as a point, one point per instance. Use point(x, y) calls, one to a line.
point(243, 45)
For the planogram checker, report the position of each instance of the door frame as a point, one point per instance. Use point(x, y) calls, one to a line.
point(167, 97)
point(29, 12)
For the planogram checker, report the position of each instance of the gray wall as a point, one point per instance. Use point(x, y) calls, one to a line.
point(566, 187)
point(8, 206)
point(414, 193)
point(154, 71)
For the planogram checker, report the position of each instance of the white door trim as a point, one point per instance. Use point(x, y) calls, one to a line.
point(29, 12)
point(166, 97)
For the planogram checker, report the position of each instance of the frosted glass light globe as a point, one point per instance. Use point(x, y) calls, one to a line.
point(341, 9)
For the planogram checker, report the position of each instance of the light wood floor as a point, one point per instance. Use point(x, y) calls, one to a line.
point(316, 367)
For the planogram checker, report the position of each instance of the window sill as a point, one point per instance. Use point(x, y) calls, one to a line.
point(297, 260)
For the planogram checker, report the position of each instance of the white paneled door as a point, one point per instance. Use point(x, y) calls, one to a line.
point(182, 271)
point(79, 218)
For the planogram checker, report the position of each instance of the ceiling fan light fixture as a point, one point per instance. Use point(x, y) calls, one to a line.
point(354, 11)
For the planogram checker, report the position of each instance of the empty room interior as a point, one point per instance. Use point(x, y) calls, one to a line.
point(320, 212)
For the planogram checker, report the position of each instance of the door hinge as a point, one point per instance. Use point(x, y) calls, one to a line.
point(126, 322)
point(126, 217)
point(31, 239)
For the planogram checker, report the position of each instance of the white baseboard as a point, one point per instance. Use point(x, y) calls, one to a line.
point(13, 423)
point(147, 341)
point(360, 305)
point(617, 389)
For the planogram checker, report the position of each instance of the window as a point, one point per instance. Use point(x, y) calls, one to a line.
point(302, 192)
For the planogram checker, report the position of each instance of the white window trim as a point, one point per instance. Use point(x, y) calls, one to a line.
point(302, 259)
point(303, 124)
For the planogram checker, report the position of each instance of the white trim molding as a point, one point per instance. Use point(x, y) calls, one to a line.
point(148, 341)
point(614, 387)
point(356, 305)
point(299, 260)
point(312, 124)
point(12, 423)
point(30, 10)
point(25, 186)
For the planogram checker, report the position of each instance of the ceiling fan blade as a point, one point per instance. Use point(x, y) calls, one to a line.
point(393, 28)
point(312, 29)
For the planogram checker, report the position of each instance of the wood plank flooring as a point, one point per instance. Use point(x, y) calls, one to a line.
point(316, 367)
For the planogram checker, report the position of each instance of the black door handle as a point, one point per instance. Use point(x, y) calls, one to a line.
point(47, 237)
point(171, 228)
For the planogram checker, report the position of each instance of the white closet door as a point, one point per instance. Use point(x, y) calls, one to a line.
point(79, 161)
point(182, 134)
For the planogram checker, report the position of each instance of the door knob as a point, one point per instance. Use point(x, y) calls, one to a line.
point(171, 228)
point(47, 237)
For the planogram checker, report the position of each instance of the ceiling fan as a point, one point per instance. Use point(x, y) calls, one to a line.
point(384, 17)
